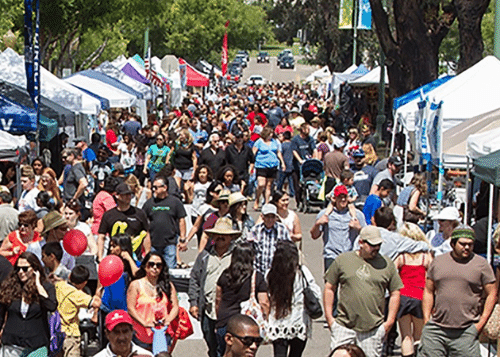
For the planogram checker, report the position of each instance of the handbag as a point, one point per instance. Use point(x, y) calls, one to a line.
point(312, 305)
point(252, 308)
point(492, 327)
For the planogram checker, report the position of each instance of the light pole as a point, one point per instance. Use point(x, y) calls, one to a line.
point(496, 50)
point(381, 91)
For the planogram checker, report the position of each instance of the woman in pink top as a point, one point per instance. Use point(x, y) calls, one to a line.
point(103, 201)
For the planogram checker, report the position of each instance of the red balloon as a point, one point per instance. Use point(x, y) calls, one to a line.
point(110, 270)
point(75, 242)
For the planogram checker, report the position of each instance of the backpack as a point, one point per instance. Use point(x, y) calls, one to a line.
point(56, 334)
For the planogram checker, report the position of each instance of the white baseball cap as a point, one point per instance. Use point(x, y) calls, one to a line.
point(448, 214)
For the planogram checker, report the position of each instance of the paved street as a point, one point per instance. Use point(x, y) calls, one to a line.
point(273, 73)
point(318, 346)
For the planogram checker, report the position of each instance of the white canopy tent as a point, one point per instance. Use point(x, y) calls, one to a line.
point(112, 71)
point(320, 74)
point(467, 95)
point(371, 78)
point(117, 98)
point(12, 70)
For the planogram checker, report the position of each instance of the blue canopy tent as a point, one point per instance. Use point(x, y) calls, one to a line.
point(111, 81)
point(414, 94)
point(15, 118)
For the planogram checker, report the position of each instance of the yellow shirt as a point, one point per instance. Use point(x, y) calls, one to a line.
point(70, 300)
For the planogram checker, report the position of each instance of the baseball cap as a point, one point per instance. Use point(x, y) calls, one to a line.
point(269, 208)
point(340, 190)
point(396, 161)
point(123, 189)
point(371, 235)
point(358, 153)
point(338, 143)
point(80, 138)
point(448, 214)
point(117, 317)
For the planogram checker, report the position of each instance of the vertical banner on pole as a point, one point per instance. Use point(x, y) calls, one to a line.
point(224, 51)
point(183, 75)
point(346, 14)
point(32, 50)
point(364, 15)
point(146, 42)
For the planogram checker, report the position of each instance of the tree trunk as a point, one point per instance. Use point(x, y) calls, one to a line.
point(470, 14)
point(411, 56)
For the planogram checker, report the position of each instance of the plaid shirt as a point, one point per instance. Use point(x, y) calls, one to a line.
point(264, 243)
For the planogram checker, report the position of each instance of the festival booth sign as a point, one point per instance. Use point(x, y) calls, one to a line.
point(15, 118)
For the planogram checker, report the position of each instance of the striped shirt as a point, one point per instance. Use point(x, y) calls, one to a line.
point(264, 243)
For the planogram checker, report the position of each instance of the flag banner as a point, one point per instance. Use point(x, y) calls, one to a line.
point(364, 15)
point(346, 14)
point(151, 74)
point(434, 131)
point(421, 126)
point(183, 75)
point(224, 51)
point(32, 50)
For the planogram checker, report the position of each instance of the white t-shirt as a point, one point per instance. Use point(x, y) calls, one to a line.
point(28, 200)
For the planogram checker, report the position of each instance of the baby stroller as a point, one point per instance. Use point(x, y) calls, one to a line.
point(311, 176)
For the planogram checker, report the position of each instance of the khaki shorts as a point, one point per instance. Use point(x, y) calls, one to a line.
point(71, 346)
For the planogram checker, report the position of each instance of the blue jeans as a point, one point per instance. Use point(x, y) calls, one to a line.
point(282, 177)
point(208, 328)
point(169, 253)
point(221, 342)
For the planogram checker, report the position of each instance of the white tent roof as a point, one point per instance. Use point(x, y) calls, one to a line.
point(371, 78)
point(112, 71)
point(12, 70)
point(319, 74)
point(471, 93)
point(117, 98)
point(350, 69)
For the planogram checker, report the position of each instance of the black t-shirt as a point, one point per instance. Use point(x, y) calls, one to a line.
point(232, 298)
point(183, 158)
point(241, 160)
point(134, 220)
point(164, 218)
point(214, 161)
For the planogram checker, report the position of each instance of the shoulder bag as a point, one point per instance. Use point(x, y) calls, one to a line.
point(312, 304)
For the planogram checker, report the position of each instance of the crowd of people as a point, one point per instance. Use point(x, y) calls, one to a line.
point(143, 192)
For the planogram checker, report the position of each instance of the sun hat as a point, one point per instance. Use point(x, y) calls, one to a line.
point(52, 220)
point(117, 317)
point(447, 214)
point(236, 197)
point(223, 196)
point(269, 208)
point(371, 235)
point(223, 225)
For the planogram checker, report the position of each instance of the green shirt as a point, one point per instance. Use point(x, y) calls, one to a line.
point(361, 287)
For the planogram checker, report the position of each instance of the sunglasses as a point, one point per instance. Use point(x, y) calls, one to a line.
point(24, 269)
point(248, 340)
point(153, 264)
point(26, 225)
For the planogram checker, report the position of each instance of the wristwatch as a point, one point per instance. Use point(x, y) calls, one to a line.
point(182, 240)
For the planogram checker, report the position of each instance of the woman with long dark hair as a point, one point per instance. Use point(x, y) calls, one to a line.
point(238, 212)
point(228, 177)
point(289, 323)
point(234, 287)
point(151, 299)
point(25, 299)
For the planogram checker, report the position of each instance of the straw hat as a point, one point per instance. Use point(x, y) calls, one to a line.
point(236, 197)
point(223, 225)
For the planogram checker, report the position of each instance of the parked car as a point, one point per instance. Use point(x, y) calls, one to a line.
point(287, 62)
point(282, 54)
point(241, 60)
point(245, 53)
point(256, 79)
point(263, 57)
point(234, 73)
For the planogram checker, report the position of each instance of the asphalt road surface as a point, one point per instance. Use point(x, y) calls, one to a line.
point(319, 344)
point(272, 73)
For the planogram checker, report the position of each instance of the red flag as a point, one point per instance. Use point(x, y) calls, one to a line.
point(224, 51)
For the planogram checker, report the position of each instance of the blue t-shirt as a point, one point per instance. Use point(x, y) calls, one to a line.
point(287, 152)
point(372, 203)
point(267, 154)
point(304, 147)
point(158, 157)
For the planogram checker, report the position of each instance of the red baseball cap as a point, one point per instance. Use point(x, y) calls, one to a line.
point(340, 190)
point(117, 317)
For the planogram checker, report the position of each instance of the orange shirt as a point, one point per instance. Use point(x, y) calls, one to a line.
point(16, 241)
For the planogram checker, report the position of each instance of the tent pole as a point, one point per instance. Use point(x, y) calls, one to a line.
point(467, 188)
point(393, 141)
point(490, 222)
